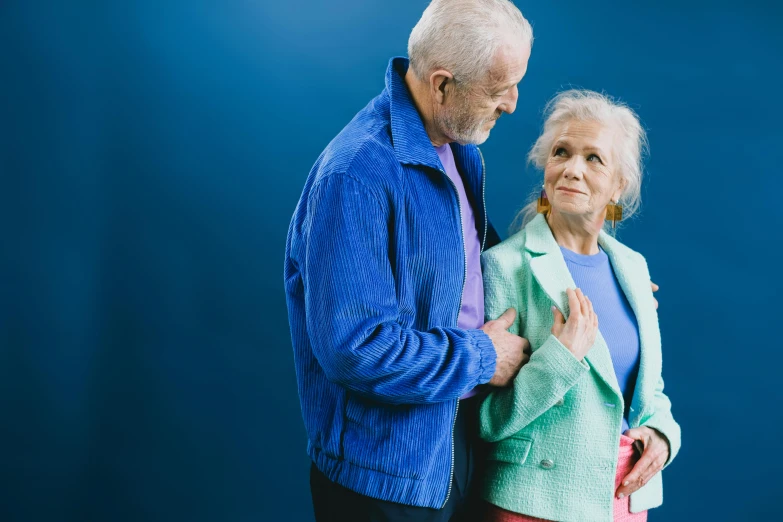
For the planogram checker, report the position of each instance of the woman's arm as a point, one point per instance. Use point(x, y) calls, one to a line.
point(545, 379)
point(552, 370)
point(663, 421)
point(660, 438)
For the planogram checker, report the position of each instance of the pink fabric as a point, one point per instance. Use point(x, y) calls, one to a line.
point(626, 459)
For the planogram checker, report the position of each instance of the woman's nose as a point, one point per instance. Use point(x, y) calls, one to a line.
point(574, 167)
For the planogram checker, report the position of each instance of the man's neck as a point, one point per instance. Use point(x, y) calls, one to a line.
point(424, 105)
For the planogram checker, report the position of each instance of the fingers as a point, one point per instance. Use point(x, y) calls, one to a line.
point(654, 286)
point(641, 474)
point(583, 306)
point(507, 319)
point(635, 433)
point(637, 478)
point(559, 321)
point(651, 462)
point(591, 313)
point(573, 302)
point(526, 348)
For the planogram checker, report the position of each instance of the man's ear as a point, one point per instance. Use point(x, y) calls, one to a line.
point(441, 85)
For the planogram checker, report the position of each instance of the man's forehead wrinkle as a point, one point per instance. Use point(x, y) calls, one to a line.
point(498, 74)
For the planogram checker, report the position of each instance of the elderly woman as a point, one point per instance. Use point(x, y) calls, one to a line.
point(585, 429)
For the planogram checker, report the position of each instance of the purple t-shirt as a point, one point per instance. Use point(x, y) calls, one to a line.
point(471, 315)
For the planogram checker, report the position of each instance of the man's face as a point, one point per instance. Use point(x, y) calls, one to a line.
point(468, 115)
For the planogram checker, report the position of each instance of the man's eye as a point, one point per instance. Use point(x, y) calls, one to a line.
point(560, 151)
point(594, 157)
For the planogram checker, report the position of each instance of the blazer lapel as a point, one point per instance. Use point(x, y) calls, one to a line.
point(550, 270)
point(631, 272)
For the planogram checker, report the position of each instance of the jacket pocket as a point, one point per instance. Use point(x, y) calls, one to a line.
point(513, 450)
point(368, 440)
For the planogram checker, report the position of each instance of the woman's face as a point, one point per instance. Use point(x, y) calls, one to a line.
point(580, 175)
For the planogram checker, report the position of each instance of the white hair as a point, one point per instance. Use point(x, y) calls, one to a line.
point(630, 145)
point(462, 37)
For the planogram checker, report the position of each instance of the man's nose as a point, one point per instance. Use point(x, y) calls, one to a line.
point(509, 105)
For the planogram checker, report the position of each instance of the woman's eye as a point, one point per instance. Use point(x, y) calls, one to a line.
point(593, 157)
point(560, 151)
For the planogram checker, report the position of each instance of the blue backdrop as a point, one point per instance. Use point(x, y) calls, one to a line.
point(152, 153)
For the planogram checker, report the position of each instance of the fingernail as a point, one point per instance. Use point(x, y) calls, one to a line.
point(621, 495)
point(625, 483)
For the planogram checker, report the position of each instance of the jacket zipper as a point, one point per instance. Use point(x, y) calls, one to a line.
point(483, 197)
point(464, 278)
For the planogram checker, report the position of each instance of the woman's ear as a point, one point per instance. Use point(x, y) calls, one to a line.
point(620, 189)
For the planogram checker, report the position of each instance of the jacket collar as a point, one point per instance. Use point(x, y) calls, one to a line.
point(411, 143)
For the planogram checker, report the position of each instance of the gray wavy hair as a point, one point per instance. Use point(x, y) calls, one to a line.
point(630, 150)
point(462, 36)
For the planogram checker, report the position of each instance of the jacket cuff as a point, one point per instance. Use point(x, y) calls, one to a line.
point(560, 362)
point(670, 430)
point(488, 355)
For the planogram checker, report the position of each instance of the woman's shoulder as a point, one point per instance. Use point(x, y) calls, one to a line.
point(618, 249)
point(508, 252)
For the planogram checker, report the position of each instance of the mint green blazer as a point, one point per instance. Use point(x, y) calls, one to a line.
point(555, 433)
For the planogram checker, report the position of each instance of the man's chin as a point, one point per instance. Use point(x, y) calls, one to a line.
point(474, 139)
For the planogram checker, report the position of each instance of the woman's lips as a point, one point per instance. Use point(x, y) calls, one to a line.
point(572, 191)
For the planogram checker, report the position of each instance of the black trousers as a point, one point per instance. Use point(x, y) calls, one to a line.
point(335, 503)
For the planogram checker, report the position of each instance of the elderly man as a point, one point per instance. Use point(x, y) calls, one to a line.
point(383, 278)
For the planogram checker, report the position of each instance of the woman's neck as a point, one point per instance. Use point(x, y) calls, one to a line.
point(576, 233)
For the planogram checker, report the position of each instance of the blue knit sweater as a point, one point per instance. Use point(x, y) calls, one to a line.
point(374, 274)
point(594, 275)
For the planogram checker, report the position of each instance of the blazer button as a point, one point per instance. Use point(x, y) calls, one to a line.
point(547, 464)
point(560, 402)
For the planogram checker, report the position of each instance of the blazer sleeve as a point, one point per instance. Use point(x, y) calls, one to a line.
point(663, 421)
point(352, 312)
point(547, 377)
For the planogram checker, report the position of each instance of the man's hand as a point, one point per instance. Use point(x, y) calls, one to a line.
point(512, 351)
point(655, 289)
point(654, 457)
point(578, 333)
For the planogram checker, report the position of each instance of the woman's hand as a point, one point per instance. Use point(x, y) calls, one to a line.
point(654, 289)
point(578, 333)
point(654, 457)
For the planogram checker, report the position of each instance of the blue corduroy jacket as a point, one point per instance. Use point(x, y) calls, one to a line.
point(374, 273)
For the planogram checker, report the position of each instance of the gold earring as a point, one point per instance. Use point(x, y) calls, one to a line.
point(614, 212)
point(543, 206)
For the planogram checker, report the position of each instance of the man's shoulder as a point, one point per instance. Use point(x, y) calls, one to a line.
point(362, 149)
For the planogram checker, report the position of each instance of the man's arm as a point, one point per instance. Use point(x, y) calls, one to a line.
point(352, 309)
